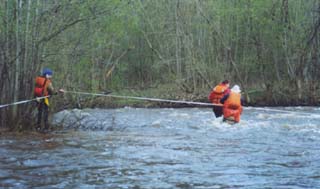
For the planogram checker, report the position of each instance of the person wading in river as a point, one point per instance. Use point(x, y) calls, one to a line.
point(232, 105)
point(216, 94)
point(43, 87)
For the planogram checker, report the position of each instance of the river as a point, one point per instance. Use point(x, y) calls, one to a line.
point(166, 148)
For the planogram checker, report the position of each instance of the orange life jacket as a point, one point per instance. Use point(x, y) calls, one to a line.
point(232, 106)
point(217, 93)
point(41, 86)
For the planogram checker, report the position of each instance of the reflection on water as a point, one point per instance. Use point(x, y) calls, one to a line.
point(166, 148)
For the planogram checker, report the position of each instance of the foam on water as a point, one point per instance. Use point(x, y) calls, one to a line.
point(181, 118)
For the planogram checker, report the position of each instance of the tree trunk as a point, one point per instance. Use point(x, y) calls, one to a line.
point(178, 63)
point(16, 90)
point(26, 47)
point(35, 37)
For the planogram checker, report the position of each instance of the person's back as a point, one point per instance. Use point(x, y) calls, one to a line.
point(216, 94)
point(232, 107)
point(42, 86)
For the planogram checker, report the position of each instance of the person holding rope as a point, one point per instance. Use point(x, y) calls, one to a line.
point(216, 94)
point(43, 88)
point(232, 105)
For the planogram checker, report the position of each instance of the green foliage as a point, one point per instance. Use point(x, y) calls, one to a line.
point(121, 44)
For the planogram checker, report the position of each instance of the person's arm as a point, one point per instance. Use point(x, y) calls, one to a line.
point(227, 91)
point(210, 97)
point(242, 101)
point(224, 98)
point(51, 90)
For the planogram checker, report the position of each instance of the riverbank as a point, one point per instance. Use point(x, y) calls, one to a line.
point(172, 92)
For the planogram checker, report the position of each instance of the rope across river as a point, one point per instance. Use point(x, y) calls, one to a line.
point(180, 101)
point(154, 100)
point(146, 99)
point(22, 102)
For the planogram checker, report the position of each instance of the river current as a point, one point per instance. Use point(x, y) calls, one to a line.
point(166, 148)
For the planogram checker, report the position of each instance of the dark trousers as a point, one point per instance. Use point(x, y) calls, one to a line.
point(217, 111)
point(43, 109)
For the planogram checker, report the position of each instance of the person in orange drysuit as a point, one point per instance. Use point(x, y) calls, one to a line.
point(43, 87)
point(215, 96)
point(232, 105)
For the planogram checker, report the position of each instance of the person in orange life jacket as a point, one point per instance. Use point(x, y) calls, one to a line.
point(216, 94)
point(232, 105)
point(43, 87)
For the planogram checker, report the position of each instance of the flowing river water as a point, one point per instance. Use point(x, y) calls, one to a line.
point(166, 148)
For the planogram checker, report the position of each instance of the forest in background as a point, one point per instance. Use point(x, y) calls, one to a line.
point(160, 48)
